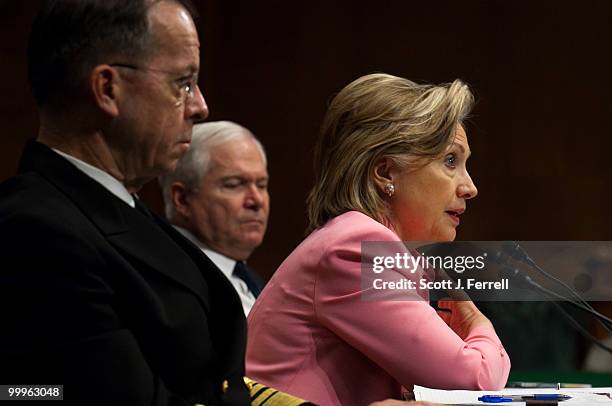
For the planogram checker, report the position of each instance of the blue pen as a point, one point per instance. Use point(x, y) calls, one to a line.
point(520, 398)
point(495, 399)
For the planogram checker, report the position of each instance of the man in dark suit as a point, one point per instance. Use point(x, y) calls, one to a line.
point(218, 198)
point(97, 293)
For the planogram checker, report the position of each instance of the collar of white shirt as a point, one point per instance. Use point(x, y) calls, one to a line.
point(226, 265)
point(112, 184)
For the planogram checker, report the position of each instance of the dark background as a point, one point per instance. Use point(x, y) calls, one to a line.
point(540, 133)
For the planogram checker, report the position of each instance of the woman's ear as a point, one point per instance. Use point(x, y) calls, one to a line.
point(105, 85)
point(385, 172)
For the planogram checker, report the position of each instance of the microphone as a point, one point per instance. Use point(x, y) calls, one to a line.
point(514, 274)
point(512, 249)
point(515, 251)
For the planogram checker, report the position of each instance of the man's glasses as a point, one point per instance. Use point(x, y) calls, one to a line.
point(185, 86)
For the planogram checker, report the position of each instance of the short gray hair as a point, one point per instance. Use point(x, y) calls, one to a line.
point(195, 164)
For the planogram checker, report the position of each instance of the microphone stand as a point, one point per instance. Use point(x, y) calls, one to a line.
point(518, 253)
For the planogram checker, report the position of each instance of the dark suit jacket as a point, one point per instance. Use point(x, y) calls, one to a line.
point(116, 306)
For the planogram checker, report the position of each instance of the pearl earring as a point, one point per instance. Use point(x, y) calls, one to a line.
point(389, 189)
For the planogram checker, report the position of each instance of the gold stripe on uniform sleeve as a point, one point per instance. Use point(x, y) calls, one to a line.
point(263, 396)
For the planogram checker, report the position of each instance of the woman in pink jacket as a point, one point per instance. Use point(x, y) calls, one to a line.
point(390, 166)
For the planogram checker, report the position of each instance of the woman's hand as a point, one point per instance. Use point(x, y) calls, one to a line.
point(461, 316)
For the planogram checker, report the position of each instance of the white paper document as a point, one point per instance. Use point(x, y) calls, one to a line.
point(579, 396)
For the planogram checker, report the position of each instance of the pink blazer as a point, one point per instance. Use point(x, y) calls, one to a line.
point(312, 335)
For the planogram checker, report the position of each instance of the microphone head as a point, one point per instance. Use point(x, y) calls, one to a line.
point(518, 278)
point(505, 252)
point(514, 250)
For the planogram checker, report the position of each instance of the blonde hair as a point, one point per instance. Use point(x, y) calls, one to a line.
point(379, 116)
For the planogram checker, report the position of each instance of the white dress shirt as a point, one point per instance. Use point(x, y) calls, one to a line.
point(226, 265)
point(112, 184)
